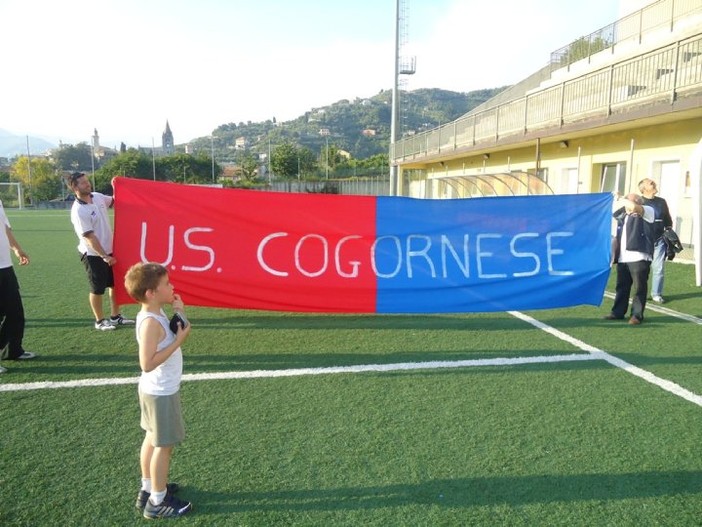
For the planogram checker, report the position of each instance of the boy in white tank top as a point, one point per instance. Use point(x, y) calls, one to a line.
point(161, 361)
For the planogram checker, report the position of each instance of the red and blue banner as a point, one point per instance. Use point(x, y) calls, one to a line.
point(247, 249)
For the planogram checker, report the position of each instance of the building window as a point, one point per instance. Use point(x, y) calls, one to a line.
point(566, 182)
point(613, 178)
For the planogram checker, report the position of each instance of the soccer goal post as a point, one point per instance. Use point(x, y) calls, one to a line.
point(11, 195)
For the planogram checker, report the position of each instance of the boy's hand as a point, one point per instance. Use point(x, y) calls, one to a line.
point(178, 304)
point(183, 333)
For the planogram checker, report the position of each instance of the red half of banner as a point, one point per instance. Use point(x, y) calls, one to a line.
point(248, 249)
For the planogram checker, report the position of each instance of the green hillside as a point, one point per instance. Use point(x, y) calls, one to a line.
point(346, 121)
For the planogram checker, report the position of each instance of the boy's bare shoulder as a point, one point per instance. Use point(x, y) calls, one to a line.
point(149, 325)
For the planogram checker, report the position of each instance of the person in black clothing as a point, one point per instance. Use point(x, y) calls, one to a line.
point(662, 222)
point(633, 259)
point(11, 307)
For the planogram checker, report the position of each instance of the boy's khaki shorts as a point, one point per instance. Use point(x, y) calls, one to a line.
point(162, 417)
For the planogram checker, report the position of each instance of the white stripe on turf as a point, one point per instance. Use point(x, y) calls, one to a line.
point(593, 353)
point(259, 374)
point(669, 386)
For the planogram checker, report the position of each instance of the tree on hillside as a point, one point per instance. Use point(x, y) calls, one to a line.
point(132, 163)
point(179, 168)
point(330, 157)
point(248, 165)
point(308, 162)
point(373, 166)
point(284, 160)
point(39, 179)
point(184, 168)
point(74, 157)
point(378, 161)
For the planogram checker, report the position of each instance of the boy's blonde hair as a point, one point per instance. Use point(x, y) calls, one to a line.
point(141, 277)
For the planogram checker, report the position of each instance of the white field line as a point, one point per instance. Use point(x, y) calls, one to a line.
point(261, 374)
point(593, 353)
point(666, 311)
point(669, 386)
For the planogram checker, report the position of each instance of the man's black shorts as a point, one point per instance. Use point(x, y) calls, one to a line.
point(100, 274)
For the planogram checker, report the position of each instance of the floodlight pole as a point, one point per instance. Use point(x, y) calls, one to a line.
point(395, 103)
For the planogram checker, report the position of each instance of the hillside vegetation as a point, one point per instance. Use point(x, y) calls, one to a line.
point(343, 123)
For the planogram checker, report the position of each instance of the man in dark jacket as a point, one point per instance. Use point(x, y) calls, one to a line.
point(662, 222)
point(635, 242)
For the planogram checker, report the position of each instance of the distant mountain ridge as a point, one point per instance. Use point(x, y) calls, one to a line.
point(360, 127)
point(16, 145)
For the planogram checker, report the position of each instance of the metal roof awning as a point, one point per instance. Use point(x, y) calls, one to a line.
point(499, 184)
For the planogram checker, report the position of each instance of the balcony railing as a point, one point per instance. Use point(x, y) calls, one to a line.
point(663, 15)
point(665, 74)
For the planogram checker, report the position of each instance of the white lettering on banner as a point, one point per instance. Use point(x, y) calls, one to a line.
point(417, 252)
point(355, 264)
point(374, 250)
point(205, 248)
point(551, 251)
point(188, 243)
point(298, 247)
point(480, 254)
point(259, 253)
point(142, 247)
point(325, 255)
point(517, 254)
point(446, 244)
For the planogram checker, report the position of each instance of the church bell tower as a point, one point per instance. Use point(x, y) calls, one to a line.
point(167, 141)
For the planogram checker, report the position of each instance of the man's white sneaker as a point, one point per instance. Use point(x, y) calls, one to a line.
point(27, 355)
point(658, 299)
point(119, 320)
point(104, 325)
point(3, 370)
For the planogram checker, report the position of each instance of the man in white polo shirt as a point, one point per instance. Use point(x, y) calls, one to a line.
point(11, 308)
point(91, 223)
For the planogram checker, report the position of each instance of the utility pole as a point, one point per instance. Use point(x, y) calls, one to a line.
point(212, 145)
point(270, 170)
point(153, 158)
point(29, 174)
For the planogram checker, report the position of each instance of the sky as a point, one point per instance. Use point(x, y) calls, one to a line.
point(125, 67)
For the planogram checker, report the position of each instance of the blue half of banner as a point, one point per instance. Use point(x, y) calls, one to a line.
point(491, 254)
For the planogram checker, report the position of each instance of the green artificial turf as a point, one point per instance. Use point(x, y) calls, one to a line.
point(566, 443)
